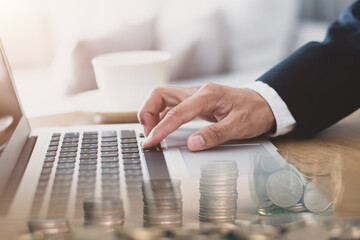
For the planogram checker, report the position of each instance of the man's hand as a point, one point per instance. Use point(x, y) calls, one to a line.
point(239, 113)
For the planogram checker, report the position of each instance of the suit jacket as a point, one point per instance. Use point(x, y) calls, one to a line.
point(320, 82)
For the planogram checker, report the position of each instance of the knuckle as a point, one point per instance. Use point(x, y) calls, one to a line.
point(174, 115)
point(244, 115)
point(157, 90)
point(215, 133)
point(211, 87)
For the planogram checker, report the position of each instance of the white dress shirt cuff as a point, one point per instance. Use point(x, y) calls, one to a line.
point(285, 122)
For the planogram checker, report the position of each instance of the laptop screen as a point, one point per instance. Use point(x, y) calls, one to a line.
point(10, 111)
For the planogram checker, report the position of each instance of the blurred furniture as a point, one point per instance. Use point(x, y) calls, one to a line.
point(256, 34)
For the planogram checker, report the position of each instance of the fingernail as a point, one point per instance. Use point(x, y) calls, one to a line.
point(197, 142)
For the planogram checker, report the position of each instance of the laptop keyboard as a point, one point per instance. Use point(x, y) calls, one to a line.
point(86, 161)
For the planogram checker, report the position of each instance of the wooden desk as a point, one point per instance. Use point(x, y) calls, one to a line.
point(345, 135)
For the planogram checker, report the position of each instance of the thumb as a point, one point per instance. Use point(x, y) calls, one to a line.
point(210, 136)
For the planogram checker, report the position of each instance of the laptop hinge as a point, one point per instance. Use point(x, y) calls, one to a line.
point(9, 192)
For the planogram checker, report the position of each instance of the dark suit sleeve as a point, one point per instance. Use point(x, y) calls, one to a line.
point(320, 82)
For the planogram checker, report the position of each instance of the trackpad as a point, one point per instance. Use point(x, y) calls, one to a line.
point(241, 155)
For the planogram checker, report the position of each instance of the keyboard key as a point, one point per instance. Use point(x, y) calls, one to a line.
point(54, 143)
point(90, 140)
point(88, 151)
point(49, 159)
point(132, 167)
point(63, 177)
point(109, 159)
point(88, 162)
point(42, 184)
point(90, 137)
point(109, 139)
point(131, 161)
point(50, 153)
point(67, 154)
point(109, 144)
point(65, 165)
point(56, 135)
point(46, 171)
point(68, 149)
point(109, 149)
point(130, 155)
point(127, 134)
point(44, 177)
point(141, 135)
point(110, 177)
point(69, 140)
point(128, 140)
point(108, 134)
point(48, 165)
point(89, 156)
point(52, 148)
point(87, 173)
point(109, 154)
point(133, 173)
point(85, 188)
point(72, 135)
point(67, 160)
point(110, 188)
point(110, 165)
point(90, 133)
point(65, 171)
point(69, 144)
point(105, 171)
point(129, 150)
point(55, 138)
point(129, 145)
point(87, 167)
point(87, 178)
point(89, 146)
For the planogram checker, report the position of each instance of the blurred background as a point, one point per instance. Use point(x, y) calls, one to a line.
point(50, 43)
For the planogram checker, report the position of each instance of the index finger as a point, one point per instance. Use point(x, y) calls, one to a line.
point(182, 113)
point(158, 100)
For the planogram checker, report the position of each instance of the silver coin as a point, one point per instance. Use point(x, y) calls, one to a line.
point(218, 182)
point(216, 187)
point(49, 225)
point(106, 224)
point(299, 207)
point(102, 203)
point(217, 202)
point(315, 201)
point(284, 188)
point(219, 194)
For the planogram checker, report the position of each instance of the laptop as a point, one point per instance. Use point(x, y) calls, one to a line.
point(50, 171)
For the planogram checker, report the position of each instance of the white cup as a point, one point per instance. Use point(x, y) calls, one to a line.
point(126, 78)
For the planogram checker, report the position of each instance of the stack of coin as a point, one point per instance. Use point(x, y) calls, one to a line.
point(103, 212)
point(49, 225)
point(162, 203)
point(218, 192)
